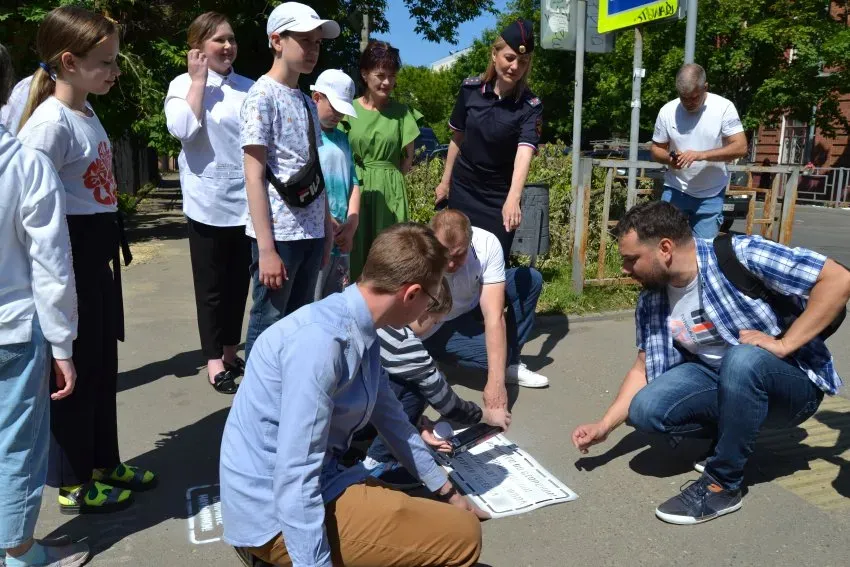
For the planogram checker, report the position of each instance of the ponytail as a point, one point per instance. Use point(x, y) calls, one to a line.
point(41, 88)
point(67, 29)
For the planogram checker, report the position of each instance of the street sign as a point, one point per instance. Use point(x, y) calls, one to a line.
point(558, 19)
point(620, 14)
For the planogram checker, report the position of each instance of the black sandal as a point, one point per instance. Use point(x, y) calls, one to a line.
point(224, 383)
point(237, 367)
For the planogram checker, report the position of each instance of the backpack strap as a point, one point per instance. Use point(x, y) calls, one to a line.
point(747, 283)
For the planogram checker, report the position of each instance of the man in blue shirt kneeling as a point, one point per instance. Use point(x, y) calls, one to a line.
point(314, 379)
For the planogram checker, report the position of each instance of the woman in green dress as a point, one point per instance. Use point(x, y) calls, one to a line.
point(381, 138)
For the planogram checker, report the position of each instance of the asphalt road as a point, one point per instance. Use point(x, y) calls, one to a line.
point(796, 511)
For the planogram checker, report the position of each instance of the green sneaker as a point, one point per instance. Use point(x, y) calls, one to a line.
point(93, 497)
point(125, 476)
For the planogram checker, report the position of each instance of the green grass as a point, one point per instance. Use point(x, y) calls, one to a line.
point(558, 296)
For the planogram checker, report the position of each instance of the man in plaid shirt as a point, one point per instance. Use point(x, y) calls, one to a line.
point(710, 361)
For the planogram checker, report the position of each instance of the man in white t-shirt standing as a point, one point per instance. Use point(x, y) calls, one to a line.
point(477, 332)
point(695, 135)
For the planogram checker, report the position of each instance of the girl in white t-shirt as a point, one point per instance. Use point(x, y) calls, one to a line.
point(79, 51)
point(202, 111)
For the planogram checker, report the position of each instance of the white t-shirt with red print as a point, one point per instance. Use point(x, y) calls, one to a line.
point(81, 153)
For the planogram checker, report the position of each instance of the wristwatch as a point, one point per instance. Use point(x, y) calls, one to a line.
point(446, 496)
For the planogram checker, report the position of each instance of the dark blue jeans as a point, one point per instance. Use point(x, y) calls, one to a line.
point(414, 404)
point(753, 389)
point(303, 260)
point(461, 340)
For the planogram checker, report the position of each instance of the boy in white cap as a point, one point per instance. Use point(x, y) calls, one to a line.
point(333, 94)
point(288, 209)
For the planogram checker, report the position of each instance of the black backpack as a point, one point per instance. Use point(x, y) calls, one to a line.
point(786, 309)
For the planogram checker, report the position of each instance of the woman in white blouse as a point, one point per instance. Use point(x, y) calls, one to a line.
point(202, 111)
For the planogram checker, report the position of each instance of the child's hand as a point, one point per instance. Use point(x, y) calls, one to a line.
point(272, 270)
point(344, 238)
point(497, 417)
point(426, 431)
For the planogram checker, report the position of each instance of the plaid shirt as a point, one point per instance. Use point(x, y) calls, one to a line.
point(791, 272)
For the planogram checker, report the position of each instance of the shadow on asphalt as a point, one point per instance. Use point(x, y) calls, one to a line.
point(656, 457)
point(796, 456)
point(183, 458)
point(554, 328)
point(180, 365)
point(160, 217)
point(475, 379)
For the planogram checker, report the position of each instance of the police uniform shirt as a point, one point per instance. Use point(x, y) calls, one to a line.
point(494, 127)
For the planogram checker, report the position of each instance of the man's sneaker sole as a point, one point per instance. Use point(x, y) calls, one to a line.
point(690, 521)
point(699, 466)
point(525, 384)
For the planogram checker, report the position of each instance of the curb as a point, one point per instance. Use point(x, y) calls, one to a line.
point(553, 320)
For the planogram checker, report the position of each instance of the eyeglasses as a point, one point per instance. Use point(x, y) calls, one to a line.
point(433, 302)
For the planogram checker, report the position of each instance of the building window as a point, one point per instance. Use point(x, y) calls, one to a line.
point(793, 141)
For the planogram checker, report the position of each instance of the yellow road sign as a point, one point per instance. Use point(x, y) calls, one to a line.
point(619, 14)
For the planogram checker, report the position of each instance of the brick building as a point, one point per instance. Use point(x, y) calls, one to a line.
point(786, 143)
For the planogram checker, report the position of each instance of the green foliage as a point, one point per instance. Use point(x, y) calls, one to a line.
point(742, 45)
point(153, 46)
point(431, 93)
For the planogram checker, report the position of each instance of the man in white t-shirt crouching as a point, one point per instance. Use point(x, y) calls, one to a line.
point(695, 135)
point(477, 332)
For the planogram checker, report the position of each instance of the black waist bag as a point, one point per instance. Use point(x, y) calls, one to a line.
point(305, 186)
point(786, 309)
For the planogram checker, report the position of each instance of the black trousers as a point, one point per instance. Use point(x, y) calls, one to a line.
point(482, 201)
point(84, 425)
point(221, 257)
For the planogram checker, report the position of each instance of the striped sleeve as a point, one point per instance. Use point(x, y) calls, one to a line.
point(406, 360)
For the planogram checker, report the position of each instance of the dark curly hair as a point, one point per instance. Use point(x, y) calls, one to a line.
point(653, 221)
point(380, 55)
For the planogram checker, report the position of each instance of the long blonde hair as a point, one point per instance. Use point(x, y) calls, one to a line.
point(66, 29)
point(490, 73)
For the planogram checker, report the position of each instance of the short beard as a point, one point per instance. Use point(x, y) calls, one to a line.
point(656, 280)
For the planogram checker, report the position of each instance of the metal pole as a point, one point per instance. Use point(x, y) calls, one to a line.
point(691, 31)
point(581, 18)
point(364, 32)
point(637, 75)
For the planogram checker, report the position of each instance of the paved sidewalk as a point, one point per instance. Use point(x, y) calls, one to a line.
point(797, 511)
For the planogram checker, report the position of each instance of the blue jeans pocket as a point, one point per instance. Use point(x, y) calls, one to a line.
point(10, 353)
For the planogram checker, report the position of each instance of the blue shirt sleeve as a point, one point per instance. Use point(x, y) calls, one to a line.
point(305, 417)
point(789, 271)
point(403, 439)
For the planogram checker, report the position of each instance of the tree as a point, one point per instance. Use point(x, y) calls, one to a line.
point(153, 46)
point(742, 45)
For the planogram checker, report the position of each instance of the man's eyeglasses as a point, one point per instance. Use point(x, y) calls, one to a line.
point(433, 302)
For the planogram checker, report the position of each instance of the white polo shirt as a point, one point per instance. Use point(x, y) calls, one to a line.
point(702, 130)
point(210, 162)
point(485, 264)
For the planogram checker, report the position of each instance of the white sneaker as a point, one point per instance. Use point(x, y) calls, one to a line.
point(520, 374)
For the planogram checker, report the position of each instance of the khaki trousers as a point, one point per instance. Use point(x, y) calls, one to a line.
point(370, 525)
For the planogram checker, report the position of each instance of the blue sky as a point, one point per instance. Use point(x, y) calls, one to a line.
point(416, 50)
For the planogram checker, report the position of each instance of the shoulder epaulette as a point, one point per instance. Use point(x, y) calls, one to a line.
point(472, 81)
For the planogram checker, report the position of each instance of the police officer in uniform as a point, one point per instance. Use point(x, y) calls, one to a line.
point(497, 122)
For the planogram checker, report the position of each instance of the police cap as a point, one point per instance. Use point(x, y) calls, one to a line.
point(520, 36)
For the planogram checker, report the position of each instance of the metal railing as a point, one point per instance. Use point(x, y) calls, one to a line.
point(825, 186)
point(762, 201)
